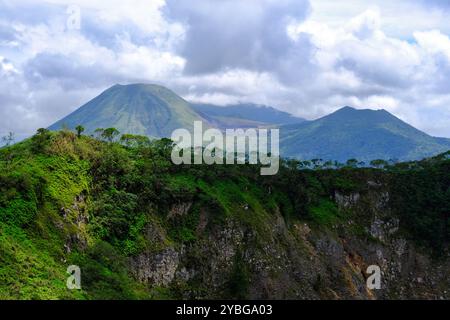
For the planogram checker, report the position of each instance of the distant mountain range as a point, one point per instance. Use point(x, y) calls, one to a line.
point(156, 111)
point(246, 115)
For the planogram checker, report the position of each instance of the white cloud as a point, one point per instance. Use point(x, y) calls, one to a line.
point(6, 67)
point(434, 42)
point(366, 25)
point(382, 54)
point(251, 35)
point(363, 67)
point(400, 18)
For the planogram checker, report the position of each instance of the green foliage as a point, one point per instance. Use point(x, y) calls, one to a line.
point(66, 178)
point(19, 212)
point(105, 276)
point(40, 140)
point(134, 141)
point(345, 184)
point(422, 200)
point(379, 163)
point(353, 163)
point(128, 190)
point(183, 229)
point(80, 129)
point(109, 134)
point(28, 271)
point(114, 212)
point(239, 282)
point(325, 213)
point(18, 202)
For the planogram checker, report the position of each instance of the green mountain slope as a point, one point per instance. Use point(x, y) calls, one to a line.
point(142, 109)
point(361, 134)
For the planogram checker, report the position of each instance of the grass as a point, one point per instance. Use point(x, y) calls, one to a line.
point(27, 271)
point(325, 213)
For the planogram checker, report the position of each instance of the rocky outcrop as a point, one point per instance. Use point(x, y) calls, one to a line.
point(297, 261)
point(346, 200)
point(74, 220)
point(179, 209)
point(159, 269)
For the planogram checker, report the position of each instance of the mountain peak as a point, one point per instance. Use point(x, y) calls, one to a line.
point(371, 115)
point(138, 108)
point(364, 134)
point(140, 86)
point(352, 109)
point(137, 84)
point(347, 108)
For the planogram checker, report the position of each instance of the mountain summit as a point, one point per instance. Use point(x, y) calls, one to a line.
point(362, 134)
point(145, 109)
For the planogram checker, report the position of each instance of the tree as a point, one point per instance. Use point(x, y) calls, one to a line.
point(292, 164)
point(317, 163)
point(98, 132)
point(353, 163)
point(338, 165)
point(110, 134)
point(134, 140)
point(8, 139)
point(40, 139)
point(80, 130)
point(305, 164)
point(379, 163)
point(328, 165)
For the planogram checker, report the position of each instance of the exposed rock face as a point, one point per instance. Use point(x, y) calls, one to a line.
point(75, 218)
point(346, 201)
point(159, 269)
point(179, 209)
point(298, 261)
point(382, 230)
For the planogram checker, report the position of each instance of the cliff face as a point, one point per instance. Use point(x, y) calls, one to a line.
point(299, 261)
point(141, 228)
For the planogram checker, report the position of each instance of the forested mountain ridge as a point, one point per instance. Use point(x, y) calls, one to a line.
point(244, 115)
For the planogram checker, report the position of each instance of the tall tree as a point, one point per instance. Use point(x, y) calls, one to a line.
point(110, 134)
point(8, 139)
point(133, 140)
point(40, 139)
point(80, 130)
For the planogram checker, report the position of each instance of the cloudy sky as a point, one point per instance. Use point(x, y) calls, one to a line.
point(305, 57)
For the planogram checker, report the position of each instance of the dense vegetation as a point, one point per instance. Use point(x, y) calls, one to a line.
point(67, 199)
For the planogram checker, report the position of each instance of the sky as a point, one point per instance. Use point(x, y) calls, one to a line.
point(308, 58)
